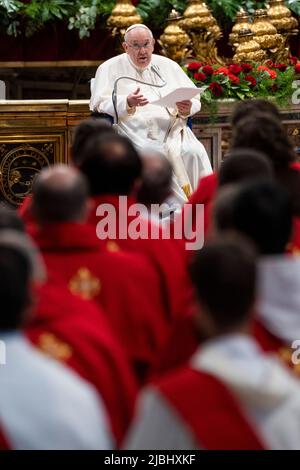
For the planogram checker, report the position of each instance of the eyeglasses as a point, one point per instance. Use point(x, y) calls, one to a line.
point(137, 47)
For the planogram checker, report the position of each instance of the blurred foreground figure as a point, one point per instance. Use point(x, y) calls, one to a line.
point(230, 395)
point(43, 404)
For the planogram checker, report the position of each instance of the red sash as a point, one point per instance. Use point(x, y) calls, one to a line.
point(209, 410)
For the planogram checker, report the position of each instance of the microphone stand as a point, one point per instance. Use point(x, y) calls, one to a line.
point(115, 92)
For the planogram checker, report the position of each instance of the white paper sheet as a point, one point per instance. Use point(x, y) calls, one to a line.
point(180, 94)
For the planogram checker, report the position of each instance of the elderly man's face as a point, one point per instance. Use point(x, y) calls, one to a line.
point(139, 47)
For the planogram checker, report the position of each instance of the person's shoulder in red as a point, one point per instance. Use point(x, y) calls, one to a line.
point(75, 332)
point(205, 190)
point(162, 251)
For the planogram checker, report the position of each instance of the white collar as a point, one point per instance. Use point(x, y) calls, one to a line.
point(258, 378)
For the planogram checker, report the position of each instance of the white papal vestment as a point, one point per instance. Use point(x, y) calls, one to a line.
point(154, 126)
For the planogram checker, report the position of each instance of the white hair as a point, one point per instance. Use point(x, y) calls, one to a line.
point(135, 26)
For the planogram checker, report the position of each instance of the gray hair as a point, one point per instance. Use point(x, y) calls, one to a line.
point(23, 244)
point(136, 26)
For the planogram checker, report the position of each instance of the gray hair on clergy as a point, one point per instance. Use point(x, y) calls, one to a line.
point(135, 26)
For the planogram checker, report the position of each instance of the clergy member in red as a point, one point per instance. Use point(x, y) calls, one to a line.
point(227, 396)
point(124, 284)
point(44, 404)
point(113, 169)
point(263, 212)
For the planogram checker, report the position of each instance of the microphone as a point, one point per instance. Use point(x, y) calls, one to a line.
point(154, 68)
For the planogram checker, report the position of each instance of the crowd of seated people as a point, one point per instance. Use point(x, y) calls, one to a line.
point(115, 334)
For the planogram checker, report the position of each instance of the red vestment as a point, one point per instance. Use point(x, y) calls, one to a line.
point(124, 284)
point(75, 332)
point(209, 410)
point(165, 255)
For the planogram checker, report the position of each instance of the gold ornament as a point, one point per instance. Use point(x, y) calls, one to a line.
point(85, 284)
point(241, 23)
point(203, 29)
point(248, 49)
point(123, 15)
point(174, 40)
point(281, 17)
point(264, 31)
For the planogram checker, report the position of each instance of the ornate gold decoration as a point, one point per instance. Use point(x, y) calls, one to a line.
point(265, 32)
point(285, 354)
point(18, 168)
point(241, 23)
point(202, 27)
point(112, 246)
point(86, 285)
point(174, 40)
point(49, 344)
point(248, 49)
point(281, 17)
point(123, 15)
point(187, 190)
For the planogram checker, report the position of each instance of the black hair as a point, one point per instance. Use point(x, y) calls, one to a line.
point(111, 164)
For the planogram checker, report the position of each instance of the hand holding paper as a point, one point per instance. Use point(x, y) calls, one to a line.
point(180, 94)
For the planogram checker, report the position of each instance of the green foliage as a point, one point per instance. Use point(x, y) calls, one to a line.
point(155, 12)
point(86, 14)
point(294, 6)
point(17, 17)
point(39, 12)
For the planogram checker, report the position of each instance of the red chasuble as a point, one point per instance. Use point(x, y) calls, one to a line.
point(3, 441)
point(124, 284)
point(165, 255)
point(76, 333)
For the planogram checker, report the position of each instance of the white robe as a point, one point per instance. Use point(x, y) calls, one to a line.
point(46, 406)
point(269, 396)
point(278, 306)
point(267, 391)
point(154, 126)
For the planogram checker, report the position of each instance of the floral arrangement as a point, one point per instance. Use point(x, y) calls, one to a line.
point(245, 81)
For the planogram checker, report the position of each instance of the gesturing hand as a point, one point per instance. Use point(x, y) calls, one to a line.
point(184, 107)
point(135, 99)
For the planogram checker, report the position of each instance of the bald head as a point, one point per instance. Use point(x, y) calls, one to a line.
point(60, 194)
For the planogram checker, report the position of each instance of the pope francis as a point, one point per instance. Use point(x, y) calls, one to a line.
point(124, 87)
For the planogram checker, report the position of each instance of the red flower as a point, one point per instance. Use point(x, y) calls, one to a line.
point(233, 78)
point(271, 73)
point(235, 69)
point(281, 67)
point(194, 66)
point(293, 60)
point(223, 70)
point(200, 77)
point(252, 80)
point(246, 68)
point(271, 64)
point(297, 67)
point(208, 70)
point(216, 89)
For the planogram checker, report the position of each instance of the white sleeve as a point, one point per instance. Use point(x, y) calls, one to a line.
point(101, 97)
point(157, 426)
